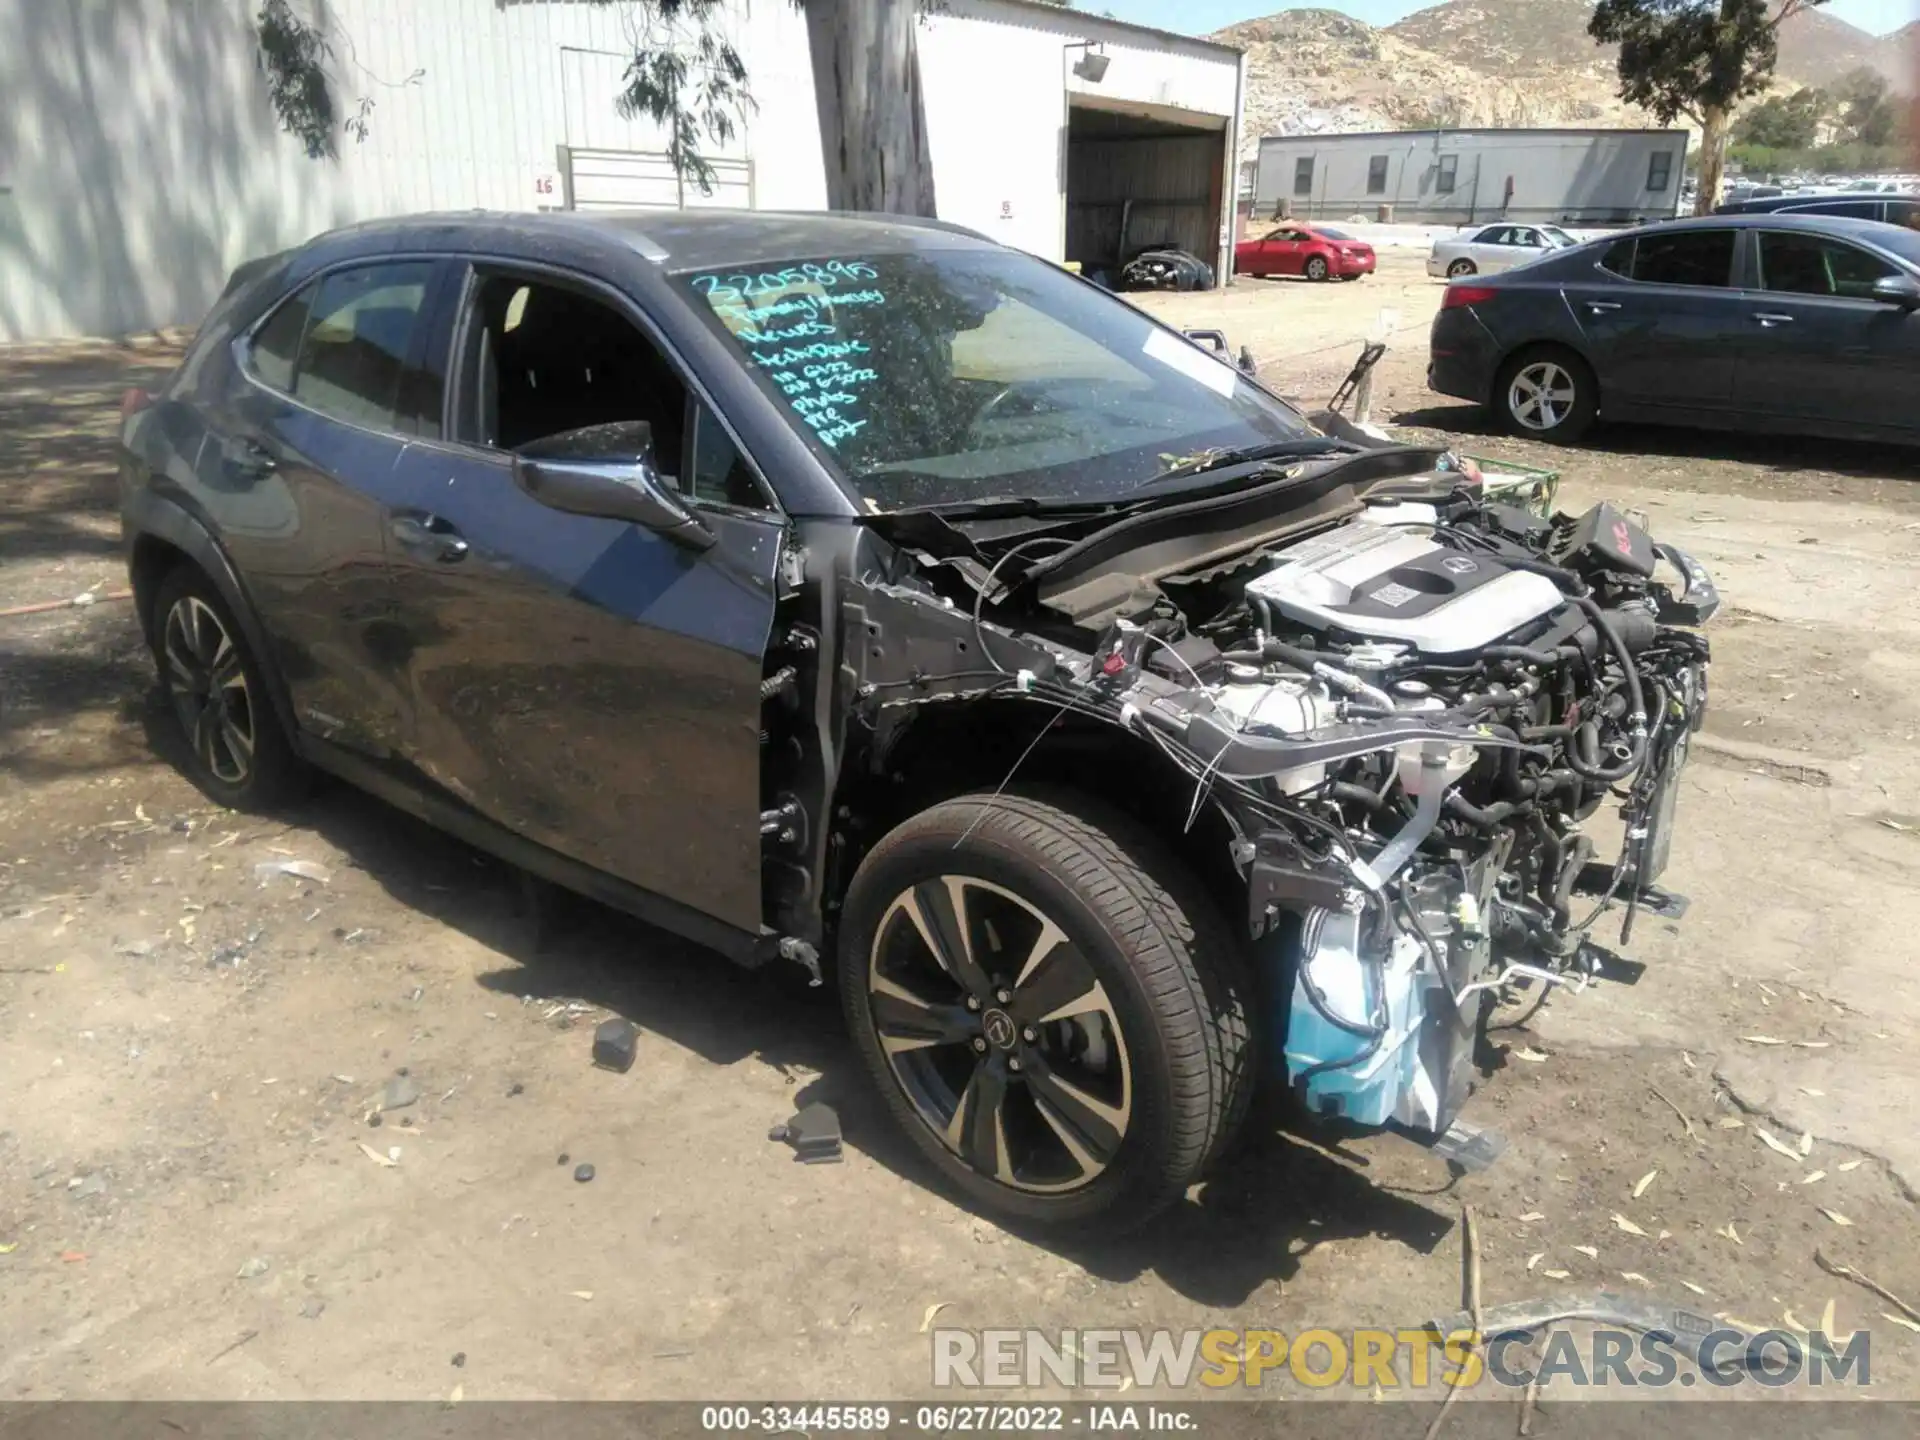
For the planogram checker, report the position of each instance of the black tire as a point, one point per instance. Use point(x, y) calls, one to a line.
point(1171, 975)
point(1460, 269)
point(1566, 395)
point(1317, 268)
point(217, 695)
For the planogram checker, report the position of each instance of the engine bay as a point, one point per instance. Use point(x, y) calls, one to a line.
point(1408, 698)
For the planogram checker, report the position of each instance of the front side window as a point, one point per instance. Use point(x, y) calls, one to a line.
point(952, 375)
point(1448, 173)
point(1685, 257)
point(1377, 175)
point(1303, 175)
point(1659, 169)
point(355, 361)
point(1794, 264)
point(558, 373)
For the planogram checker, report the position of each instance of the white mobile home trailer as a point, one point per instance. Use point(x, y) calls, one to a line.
point(1465, 177)
point(145, 162)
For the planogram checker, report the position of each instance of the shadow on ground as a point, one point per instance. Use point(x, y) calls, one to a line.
point(1783, 453)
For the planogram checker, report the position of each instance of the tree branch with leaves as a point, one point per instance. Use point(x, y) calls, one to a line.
point(1698, 58)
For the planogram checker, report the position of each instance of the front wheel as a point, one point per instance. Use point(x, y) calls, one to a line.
point(1317, 268)
point(1055, 1013)
point(1547, 394)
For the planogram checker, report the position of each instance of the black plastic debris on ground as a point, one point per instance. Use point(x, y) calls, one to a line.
point(615, 1043)
point(814, 1134)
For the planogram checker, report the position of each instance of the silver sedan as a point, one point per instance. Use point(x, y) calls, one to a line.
point(1495, 248)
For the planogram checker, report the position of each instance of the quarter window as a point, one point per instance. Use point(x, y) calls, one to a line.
point(355, 360)
point(276, 344)
point(1447, 174)
point(1812, 265)
point(1686, 257)
point(1377, 175)
point(1659, 169)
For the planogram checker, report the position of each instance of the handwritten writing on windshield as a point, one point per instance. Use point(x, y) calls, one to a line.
point(789, 323)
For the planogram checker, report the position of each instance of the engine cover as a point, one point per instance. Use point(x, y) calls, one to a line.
point(1398, 583)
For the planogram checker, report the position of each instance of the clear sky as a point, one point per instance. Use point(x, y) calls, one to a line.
point(1197, 17)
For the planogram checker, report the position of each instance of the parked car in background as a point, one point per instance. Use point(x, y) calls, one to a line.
point(1789, 323)
point(1319, 252)
point(1165, 268)
point(1893, 209)
point(1495, 248)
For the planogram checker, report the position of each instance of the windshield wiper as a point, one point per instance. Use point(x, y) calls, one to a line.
point(993, 507)
point(1226, 458)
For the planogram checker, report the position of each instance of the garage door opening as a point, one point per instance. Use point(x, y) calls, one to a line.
point(1141, 177)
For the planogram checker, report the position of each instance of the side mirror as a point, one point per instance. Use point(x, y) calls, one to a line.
point(625, 489)
point(1901, 290)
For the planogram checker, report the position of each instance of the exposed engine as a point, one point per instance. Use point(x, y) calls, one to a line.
point(1537, 668)
point(1406, 713)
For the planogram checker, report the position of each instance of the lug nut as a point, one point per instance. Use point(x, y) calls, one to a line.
point(1030, 1034)
point(1003, 996)
point(979, 1045)
point(1014, 1063)
point(972, 1003)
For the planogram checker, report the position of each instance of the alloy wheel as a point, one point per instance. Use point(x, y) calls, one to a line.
point(1000, 1034)
point(207, 683)
point(1541, 396)
point(1316, 269)
point(1461, 268)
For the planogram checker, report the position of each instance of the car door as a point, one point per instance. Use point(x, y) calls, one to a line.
point(1282, 253)
point(1657, 315)
point(589, 683)
point(1489, 250)
point(334, 389)
point(1816, 344)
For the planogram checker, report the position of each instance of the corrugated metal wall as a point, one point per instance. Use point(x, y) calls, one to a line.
point(144, 162)
point(1123, 195)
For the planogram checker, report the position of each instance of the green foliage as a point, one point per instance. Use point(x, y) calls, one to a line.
point(1784, 122)
point(1869, 113)
point(1841, 159)
point(1689, 57)
point(293, 56)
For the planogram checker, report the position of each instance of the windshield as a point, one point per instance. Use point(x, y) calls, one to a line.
point(1558, 236)
point(957, 375)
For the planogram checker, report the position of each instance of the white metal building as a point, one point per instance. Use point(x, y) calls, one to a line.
point(140, 160)
point(1438, 177)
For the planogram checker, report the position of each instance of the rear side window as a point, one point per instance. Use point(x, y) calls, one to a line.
point(276, 344)
point(356, 361)
point(1904, 212)
point(1844, 209)
point(1685, 257)
point(1619, 258)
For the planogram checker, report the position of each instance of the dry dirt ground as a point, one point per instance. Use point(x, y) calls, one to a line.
point(194, 1201)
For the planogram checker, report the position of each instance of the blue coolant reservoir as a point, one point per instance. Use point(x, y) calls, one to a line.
point(1368, 1080)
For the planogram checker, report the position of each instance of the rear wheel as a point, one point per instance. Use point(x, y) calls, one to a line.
point(1459, 269)
point(1547, 394)
point(1317, 268)
point(1056, 1015)
point(237, 751)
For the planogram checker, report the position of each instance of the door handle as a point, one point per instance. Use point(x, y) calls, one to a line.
point(1770, 318)
point(429, 535)
point(1601, 307)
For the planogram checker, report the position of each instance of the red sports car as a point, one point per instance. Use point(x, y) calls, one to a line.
point(1318, 252)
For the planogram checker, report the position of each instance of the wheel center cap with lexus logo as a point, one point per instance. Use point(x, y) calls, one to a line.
point(1000, 1029)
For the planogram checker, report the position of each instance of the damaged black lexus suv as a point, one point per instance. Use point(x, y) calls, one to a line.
point(861, 594)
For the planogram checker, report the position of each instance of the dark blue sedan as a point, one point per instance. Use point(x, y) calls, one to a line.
point(1790, 324)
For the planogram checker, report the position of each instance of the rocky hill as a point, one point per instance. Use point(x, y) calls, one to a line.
point(1487, 62)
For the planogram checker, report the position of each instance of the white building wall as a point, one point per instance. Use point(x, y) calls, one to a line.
point(140, 161)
